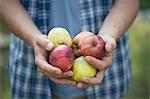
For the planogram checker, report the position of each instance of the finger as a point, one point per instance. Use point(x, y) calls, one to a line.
point(99, 64)
point(95, 81)
point(47, 68)
point(111, 45)
point(38, 69)
point(48, 74)
point(45, 43)
point(109, 54)
point(45, 36)
point(64, 81)
point(82, 85)
point(68, 74)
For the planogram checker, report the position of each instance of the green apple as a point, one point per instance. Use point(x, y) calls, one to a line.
point(81, 69)
point(59, 36)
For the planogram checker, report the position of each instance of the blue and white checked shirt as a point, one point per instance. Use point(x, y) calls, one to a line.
point(28, 83)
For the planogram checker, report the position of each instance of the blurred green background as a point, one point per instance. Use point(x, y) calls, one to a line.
point(139, 38)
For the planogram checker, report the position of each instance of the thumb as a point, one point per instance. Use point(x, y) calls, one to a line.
point(45, 43)
point(110, 43)
point(108, 47)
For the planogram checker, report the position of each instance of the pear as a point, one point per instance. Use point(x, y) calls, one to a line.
point(59, 36)
point(81, 69)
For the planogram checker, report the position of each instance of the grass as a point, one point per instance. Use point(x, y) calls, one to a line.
point(139, 35)
point(4, 79)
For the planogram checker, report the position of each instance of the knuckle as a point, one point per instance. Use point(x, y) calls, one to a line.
point(110, 63)
point(99, 67)
point(97, 82)
point(43, 42)
point(102, 66)
point(53, 71)
point(45, 36)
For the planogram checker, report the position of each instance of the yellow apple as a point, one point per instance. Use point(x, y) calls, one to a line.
point(59, 36)
point(81, 69)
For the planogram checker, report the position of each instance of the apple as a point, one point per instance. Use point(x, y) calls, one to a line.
point(59, 36)
point(78, 40)
point(81, 69)
point(94, 46)
point(62, 57)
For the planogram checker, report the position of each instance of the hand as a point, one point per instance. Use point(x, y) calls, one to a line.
point(42, 48)
point(100, 64)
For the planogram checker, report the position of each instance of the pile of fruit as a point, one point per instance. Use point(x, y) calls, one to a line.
point(69, 54)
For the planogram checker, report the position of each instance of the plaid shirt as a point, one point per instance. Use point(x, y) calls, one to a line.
point(28, 83)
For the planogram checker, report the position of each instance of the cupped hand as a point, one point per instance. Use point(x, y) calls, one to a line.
point(42, 48)
point(100, 64)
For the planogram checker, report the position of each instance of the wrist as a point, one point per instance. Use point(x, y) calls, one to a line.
point(108, 36)
point(111, 31)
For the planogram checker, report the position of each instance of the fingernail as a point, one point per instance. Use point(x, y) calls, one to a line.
point(56, 72)
point(109, 48)
point(85, 79)
point(49, 46)
point(73, 84)
point(87, 58)
point(70, 74)
point(79, 85)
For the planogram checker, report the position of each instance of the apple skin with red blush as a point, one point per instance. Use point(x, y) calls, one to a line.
point(68, 53)
point(62, 57)
point(77, 41)
point(94, 46)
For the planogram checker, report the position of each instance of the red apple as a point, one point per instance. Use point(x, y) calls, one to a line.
point(94, 46)
point(62, 57)
point(78, 40)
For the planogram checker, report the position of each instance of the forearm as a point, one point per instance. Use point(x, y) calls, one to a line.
point(18, 21)
point(120, 18)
